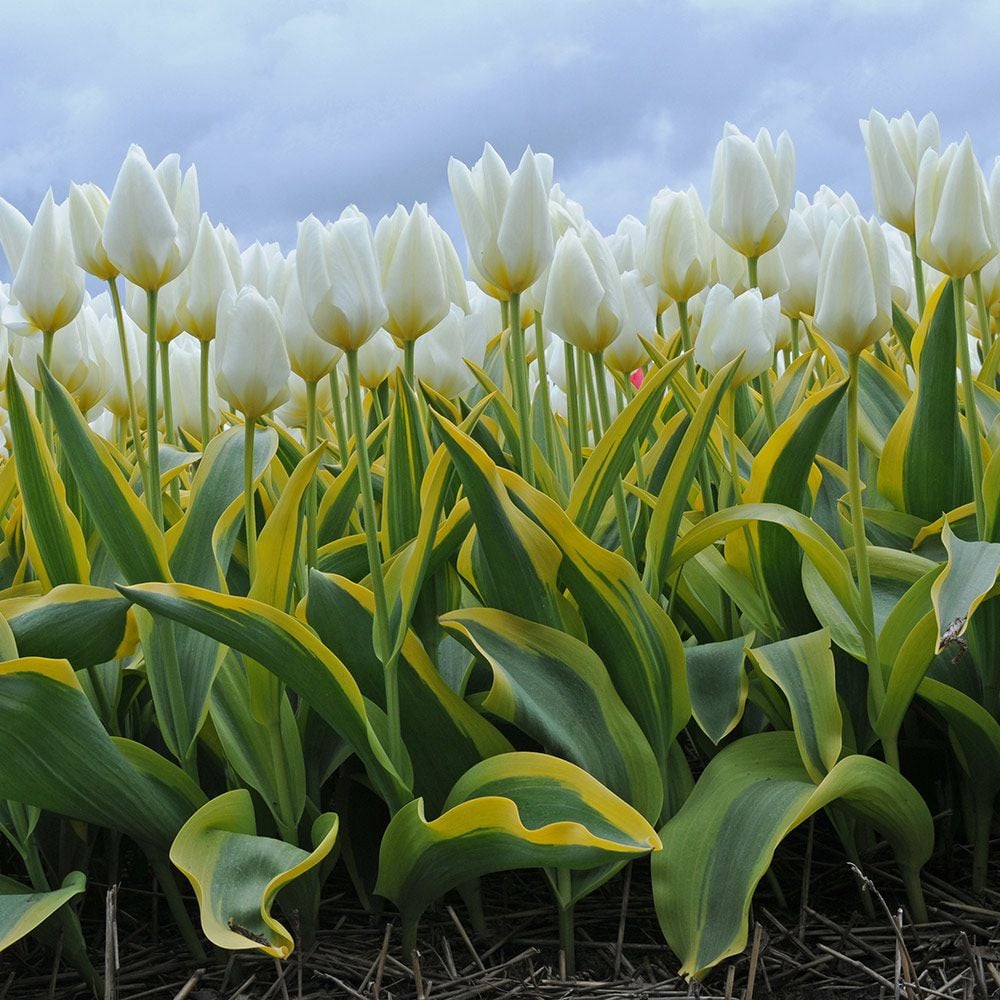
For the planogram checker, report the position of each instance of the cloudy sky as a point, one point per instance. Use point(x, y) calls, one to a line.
point(307, 105)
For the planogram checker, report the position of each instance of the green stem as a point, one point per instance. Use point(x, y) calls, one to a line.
point(381, 639)
point(752, 271)
point(123, 346)
point(704, 470)
point(918, 277)
point(168, 399)
point(985, 333)
point(969, 398)
point(312, 542)
point(206, 426)
point(339, 421)
point(764, 385)
point(543, 390)
point(573, 410)
point(154, 500)
point(249, 505)
point(408, 353)
point(504, 313)
point(519, 374)
point(876, 683)
point(167, 882)
point(795, 337)
point(47, 338)
point(564, 896)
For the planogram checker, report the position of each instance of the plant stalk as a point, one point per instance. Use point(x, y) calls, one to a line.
point(519, 375)
point(133, 409)
point(969, 398)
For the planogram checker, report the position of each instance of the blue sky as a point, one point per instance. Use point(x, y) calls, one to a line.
point(305, 106)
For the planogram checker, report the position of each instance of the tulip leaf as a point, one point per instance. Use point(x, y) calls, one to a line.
point(22, 910)
point(237, 874)
point(968, 577)
point(704, 878)
point(719, 684)
point(407, 453)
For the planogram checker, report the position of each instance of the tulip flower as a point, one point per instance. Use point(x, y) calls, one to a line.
point(378, 359)
point(753, 182)
point(678, 251)
point(196, 413)
point(626, 352)
point(263, 266)
point(14, 232)
point(731, 325)
point(414, 282)
point(440, 356)
point(88, 208)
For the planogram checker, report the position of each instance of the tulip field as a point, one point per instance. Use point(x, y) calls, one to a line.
point(556, 552)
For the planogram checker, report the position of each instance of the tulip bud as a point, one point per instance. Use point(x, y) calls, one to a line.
point(505, 217)
point(378, 358)
point(895, 148)
point(168, 309)
point(412, 271)
point(208, 277)
point(853, 293)
point(439, 357)
point(753, 183)
point(251, 364)
point(626, 352)
point(339, 280)
point(116, 398)
point(294, 412)
point(730, 268)
point(731, 324)
point(263, 266)
point(88, 208)
point(49, 285)
point(584, 301)
point(70, 361)
point(152, 220)
point(14, 232)
point(311, 357)
point(953, 219)
point(678, 252)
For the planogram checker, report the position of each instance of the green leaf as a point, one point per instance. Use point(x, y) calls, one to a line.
point(556, 689)
point(22, 910)
point(705, 876)
point(236, 874)
point(53, 537)
point(803, 668)
point(719, 684)
point(518, 810)
point(55, 754)
point(407, 453)
point(968, 577)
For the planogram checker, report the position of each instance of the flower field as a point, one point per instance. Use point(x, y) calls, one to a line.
point(585, 550)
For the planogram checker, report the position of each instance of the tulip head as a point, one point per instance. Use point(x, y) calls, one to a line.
point(678, 250)
point(339, 280)
point(753, 182)
point(88, 208)
point(626, 352)
point(954, 222)
point(251, 363)
point(584, 301)
point(310, 356)
point(895, 148)
point(152, 220)
point(208, 277)
point(378, 358)
point(505, 217)
point(853, 291)
point(747, 323)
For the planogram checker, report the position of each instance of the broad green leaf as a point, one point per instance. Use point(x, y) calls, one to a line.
point(55, 754)
point(803, 668)
point(720, 844)
point(522, 560)
point(407, 453)
point(613, 454)
point(518, 810)
point(718, 682)
point(445, 736)
point(780, 474)
point(629, 631)
point(556, 689)
point(911, 474)
point(53, 536)
point(672, 501)
point(293, 653)
point(968, 578)
point(85, 625)
point(236, 874)
point(22, 910)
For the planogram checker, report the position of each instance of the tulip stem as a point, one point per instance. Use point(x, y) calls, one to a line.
point(795, 337)
point(339, 421)
point(572, 410)
point(154, 500)
point(876, 683)
point(564, 901)
point(408, 352)
point(249, 496)
point(312, 544)
point(206, 431)
point(381, 640)
point(543, 390)
point(168, 399)
point(47, 338)
point(752, 271)
point(621, 508)
point(764, 384)
point(969, 398)
point(704, 471)
point(918, 277)
point(133, 410)
point(519, 373)
point(985, 334)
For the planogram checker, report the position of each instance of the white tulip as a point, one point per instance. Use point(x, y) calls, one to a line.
point(14, 232)
point(294, 412)
point(204, 282)
point(185, 379)
point(853, 294)
point(311, 357)
point(88, 208)
point(895, 148)
point(378, 358)
point(251, 364)
point(263, 266)
point(626, 352)
point(678, 251)
point(152, 220)
point(169, 323)
point(439, 357)
point(730, 268)
point(505, 217)
point(731, 324)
